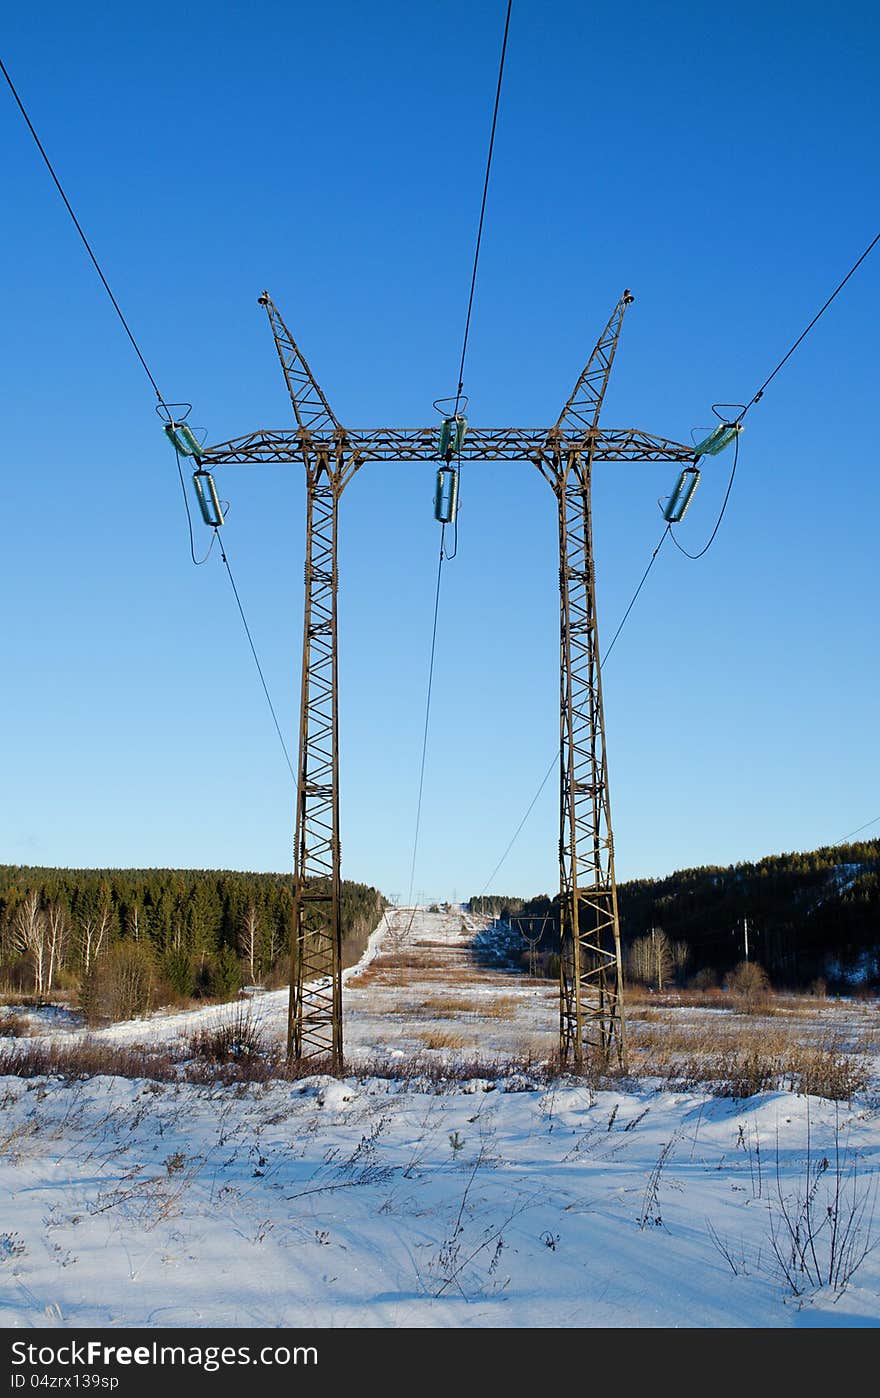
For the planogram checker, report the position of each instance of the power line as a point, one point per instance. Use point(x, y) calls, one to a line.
point(805, 333)
point(412, 872)
point(515, 835)
point(866, 826)
point(78, 227)
point(760, 393)
point(711, 539)
point(443, 554)
point(467, 324)
point(663, 537)
point(137, 350)
point(256, 658)
point(550, 769)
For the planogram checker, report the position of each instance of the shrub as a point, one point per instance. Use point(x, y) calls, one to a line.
point(822, 1230)
point(750, 984)
point(238, 1036)
point(119, 985)
point(19, 974)
point(278, 976)
point(12, 1027)
point(745, 1074)
point(83, 1059)
point(827, 1071)
point(705, 979)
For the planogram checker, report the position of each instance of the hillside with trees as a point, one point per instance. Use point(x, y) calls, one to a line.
point(808, 916)
point(154, 935)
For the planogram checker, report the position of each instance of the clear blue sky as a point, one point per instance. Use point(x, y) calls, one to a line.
point(721, 162)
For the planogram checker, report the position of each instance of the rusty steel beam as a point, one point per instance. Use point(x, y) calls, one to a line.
point(537, 444)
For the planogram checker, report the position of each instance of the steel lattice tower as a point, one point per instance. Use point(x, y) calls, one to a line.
point(591, 987)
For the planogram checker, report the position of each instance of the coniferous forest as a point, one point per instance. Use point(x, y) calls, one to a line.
point(155, 935)
point(173, 934)
point(808, 916)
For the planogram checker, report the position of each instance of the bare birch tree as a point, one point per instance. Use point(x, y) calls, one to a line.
point(29, 935)
point(57, 933)
point(249, 938)
point(92, 935)
point(651, 959)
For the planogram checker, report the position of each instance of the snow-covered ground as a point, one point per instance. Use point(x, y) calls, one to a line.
point(368, 1201)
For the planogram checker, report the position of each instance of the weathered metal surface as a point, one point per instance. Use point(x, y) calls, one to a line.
point(591, 975)
point(354, 447)
point(591, 984)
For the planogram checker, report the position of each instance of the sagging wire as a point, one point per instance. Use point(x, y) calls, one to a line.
point(412, 872)
point(192, 545)
point(706, 547)
point(250, 638)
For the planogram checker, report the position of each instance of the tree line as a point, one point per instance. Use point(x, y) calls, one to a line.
point(807, 916)
point(186, 932)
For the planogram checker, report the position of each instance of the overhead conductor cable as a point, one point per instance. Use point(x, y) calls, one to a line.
point(181, 436)
point(452, 434)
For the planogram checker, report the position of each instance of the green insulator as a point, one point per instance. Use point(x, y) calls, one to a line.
point(189, 437)
point(209, 501)
point(718, 439)
point(183, 439)
point(452, 435)
point(446, 495)
point(683, 493)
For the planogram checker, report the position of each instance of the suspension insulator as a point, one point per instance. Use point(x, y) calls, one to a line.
point(446, 495)
point(718, 439)
point(209, 501)
point(183, 438)
point(682, 495)
point(452, 434)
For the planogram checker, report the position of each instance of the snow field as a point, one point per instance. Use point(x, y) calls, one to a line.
point(370, 1201)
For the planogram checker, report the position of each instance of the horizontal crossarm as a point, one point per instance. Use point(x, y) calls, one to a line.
point(421, 444)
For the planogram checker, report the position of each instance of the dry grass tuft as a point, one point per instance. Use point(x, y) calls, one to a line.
point(84, 1058)
point(441, 1039)
point(827, 1071)
point(505, 1007)
point(12, 1027)
point(237, 1037)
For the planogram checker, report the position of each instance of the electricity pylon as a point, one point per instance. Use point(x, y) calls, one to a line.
point(591, 987)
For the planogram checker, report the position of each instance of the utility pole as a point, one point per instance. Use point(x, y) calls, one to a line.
point(746, 937)
point(591, 981)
